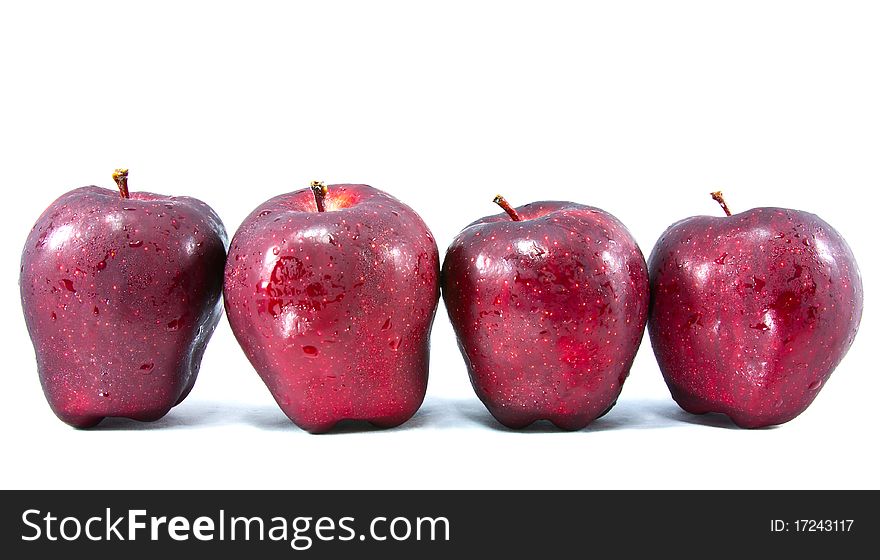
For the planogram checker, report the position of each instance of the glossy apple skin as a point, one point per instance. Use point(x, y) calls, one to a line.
point(334, 309)
point(751, 313)
point(549, 311)
point(120, 297)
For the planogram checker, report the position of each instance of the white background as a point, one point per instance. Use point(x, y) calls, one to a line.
point(640, 108)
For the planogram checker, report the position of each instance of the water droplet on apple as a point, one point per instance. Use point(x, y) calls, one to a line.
point(169, 206)
point(68, 285)
point(103, 393)
point(135, 243)
point(815, 385)
point(394, 343)
point(147, 367)
point(101, 265)
point(759, 284)
point(174, 324)
point(275, 250)
point(175, 224)
point(54, 316)
point(95, 310)
point(310, 351)
point(129, 208)
point(387, 324)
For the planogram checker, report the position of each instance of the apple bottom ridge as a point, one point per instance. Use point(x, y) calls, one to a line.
point(518, 420)
point(355, 421)
point(84, 421)
point(742, 417)
point(82, 407)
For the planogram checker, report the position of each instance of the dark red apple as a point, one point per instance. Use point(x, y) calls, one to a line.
point(752, 312)
point(331, 292)
point(121, 292)
point(549, 303)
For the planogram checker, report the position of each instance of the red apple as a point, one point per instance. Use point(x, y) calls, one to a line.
point(331, 292)
point(121, 292)
point(549, 303)
point(752, 312)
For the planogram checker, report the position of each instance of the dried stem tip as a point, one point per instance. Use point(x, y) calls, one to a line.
point(121, 178)
point(511, 211)
point(319, 189)
point(719, 198)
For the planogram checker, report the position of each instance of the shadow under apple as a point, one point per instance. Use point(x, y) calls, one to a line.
point(437, 413)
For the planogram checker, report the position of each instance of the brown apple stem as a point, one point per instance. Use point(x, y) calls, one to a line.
point(511, 211)
point(719, 198)
point(121, 178)
point(319, 189)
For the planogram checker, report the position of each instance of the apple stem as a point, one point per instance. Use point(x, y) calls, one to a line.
point(319, 189)
point(719, 198)
point(121, 178)
point(511, 211)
